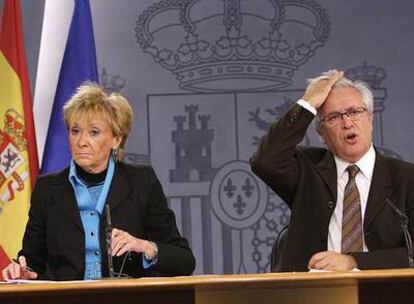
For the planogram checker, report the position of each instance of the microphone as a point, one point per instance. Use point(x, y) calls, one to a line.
point(404, 226)
point(108, 239)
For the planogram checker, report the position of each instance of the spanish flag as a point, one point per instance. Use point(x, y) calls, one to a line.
point(18, 153)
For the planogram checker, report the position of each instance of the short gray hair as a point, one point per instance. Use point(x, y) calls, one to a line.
point(360, 86)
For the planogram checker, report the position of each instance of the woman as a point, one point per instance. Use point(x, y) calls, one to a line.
point(65, 234)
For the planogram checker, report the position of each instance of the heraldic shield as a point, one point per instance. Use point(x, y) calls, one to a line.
point(201, 156)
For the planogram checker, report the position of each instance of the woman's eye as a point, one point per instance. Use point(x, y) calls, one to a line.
point(74, 131)
point(94, 133)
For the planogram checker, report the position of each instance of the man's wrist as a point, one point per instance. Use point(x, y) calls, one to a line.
point(352, 261)
point(305, 104)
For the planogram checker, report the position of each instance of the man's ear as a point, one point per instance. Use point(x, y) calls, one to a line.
point(321, 133)
point(371, 117)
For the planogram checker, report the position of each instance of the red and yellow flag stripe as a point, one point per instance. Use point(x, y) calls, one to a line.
point(18, 152)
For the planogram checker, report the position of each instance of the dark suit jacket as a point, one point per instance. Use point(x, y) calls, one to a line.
point(54, 242)
point(305, 178)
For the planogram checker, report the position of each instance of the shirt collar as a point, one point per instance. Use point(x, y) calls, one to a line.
point(72, 172)
point(365, 164)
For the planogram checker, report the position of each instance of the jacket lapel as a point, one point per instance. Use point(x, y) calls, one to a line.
point(66, 198)
point(119, 186)
point(327, 170)
point(381, 188)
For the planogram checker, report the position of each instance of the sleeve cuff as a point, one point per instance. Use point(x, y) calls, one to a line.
point(148, 263)
point(303, 103)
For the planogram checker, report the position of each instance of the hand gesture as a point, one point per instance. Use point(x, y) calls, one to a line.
point(320, 87)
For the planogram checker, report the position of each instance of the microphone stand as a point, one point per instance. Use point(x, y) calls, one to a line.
point(404, 227)
point(108, 239)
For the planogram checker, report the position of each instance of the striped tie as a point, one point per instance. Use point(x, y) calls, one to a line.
point(351, 216)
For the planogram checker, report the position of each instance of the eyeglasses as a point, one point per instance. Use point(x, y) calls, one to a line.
point(335, 118)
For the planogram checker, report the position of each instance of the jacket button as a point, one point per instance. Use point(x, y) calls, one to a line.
point(331, 204)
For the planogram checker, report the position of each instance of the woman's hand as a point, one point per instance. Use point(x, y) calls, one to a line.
point(19, 271)
point(123, 242)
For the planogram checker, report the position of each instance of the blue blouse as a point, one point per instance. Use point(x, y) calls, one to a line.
point(91, 201)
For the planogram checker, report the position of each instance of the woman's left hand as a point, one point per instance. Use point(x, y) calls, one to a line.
point(123, 242)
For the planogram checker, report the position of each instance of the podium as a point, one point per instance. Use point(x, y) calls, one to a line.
point(371, 286)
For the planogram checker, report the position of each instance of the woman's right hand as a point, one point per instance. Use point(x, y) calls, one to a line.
point(19, 271)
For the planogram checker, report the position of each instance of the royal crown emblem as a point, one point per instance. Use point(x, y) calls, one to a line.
point(14, 127)
point(111, 83)
point(232, 45)
point(374, 76)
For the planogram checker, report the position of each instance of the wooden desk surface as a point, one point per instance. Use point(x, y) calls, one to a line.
point(210, 283)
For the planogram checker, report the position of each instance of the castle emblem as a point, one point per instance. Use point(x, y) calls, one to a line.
point(192, 147)
point(258, 43)
point(12, 144)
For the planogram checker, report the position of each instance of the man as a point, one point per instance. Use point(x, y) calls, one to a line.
point(340, 219)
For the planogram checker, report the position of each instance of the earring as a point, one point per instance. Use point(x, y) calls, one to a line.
point(115, 152)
